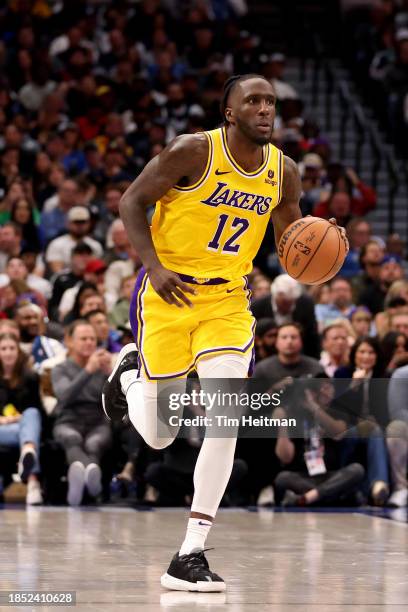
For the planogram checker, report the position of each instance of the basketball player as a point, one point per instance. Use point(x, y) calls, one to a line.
point(215, 193)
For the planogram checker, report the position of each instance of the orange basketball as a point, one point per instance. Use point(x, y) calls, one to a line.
point(312, 250)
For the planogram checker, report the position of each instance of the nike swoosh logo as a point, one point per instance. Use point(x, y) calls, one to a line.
point(231, 290)
point(206, 524)
point(218, 172)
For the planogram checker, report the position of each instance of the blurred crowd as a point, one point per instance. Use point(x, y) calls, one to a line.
point(89, 92)
point(377, 52)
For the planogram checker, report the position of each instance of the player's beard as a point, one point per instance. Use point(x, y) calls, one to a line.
point(252, 135)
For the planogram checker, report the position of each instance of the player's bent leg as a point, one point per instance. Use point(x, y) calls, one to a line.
point(189, 570)
point(125, 392)
point(144, 412)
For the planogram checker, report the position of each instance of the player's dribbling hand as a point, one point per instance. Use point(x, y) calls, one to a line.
point(170, 287)
point(342, 232)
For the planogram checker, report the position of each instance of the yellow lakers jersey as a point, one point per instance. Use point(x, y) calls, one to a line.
point(215, 227)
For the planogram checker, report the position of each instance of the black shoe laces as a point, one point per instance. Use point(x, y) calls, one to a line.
point(197, 559)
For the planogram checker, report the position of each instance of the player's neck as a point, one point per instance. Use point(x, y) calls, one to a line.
point(248, 154)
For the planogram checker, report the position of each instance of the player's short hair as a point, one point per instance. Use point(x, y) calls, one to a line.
point(230, 85)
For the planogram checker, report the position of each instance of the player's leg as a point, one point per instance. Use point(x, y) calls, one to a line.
point(189, 569)
point(162, 352)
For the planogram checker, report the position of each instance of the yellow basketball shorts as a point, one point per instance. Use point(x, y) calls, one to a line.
point(172, 340)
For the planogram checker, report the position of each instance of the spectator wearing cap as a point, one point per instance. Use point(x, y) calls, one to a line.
point(33, 339)
point(58, 254)
point(16, 269)
point(81, 254)
point(106, 338)
point(55, 210)
point(286, 304)
point(390, 271)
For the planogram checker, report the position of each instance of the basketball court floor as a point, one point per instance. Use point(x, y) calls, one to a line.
point(280, 561)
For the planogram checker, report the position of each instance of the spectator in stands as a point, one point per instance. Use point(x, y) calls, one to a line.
point(394, 347)
point(261, 287)
point(397, 436)
point(288, 363)
point(80, 426)
point(20, 419)
point(335, 348)
point(119, 315)
point(361, 198)
point(85, 289)
point(108, 212)
point(374, 296)
point(286, 304)
point(26, 216)
point(365, 402)
point(399, 321)
point(56, 208)
point(341, 303)
point(106, 338)
point(359, 234)
point(81, 254)
point(301, 484)
point(58, 255)
point(266, 331)
point(33, 339)
point(361, 321)
point(120, 244)
point(17, 270)
point(10, 243)
point(369, 259)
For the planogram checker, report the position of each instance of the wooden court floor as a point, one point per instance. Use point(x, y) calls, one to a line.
point(113, 559)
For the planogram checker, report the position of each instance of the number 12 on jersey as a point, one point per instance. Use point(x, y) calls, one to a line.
point(231, 245)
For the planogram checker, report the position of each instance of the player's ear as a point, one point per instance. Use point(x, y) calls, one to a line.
point(229, 115)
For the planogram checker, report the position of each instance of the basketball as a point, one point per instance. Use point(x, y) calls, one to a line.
point(312, 250)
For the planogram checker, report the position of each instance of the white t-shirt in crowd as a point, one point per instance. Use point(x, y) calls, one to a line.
point(60, 248)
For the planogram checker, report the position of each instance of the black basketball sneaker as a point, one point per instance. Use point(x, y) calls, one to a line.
point(113, 401)
point(192, 573)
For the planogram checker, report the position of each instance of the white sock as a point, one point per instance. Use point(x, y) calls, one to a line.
point(196, 534)
point(127, 379)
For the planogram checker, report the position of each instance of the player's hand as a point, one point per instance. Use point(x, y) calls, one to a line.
point(342, 232)
point(170, 287)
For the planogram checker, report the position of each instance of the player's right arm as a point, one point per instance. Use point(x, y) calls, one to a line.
point(182, 161)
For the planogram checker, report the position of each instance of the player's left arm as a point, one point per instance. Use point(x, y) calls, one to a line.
point(288, 210)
